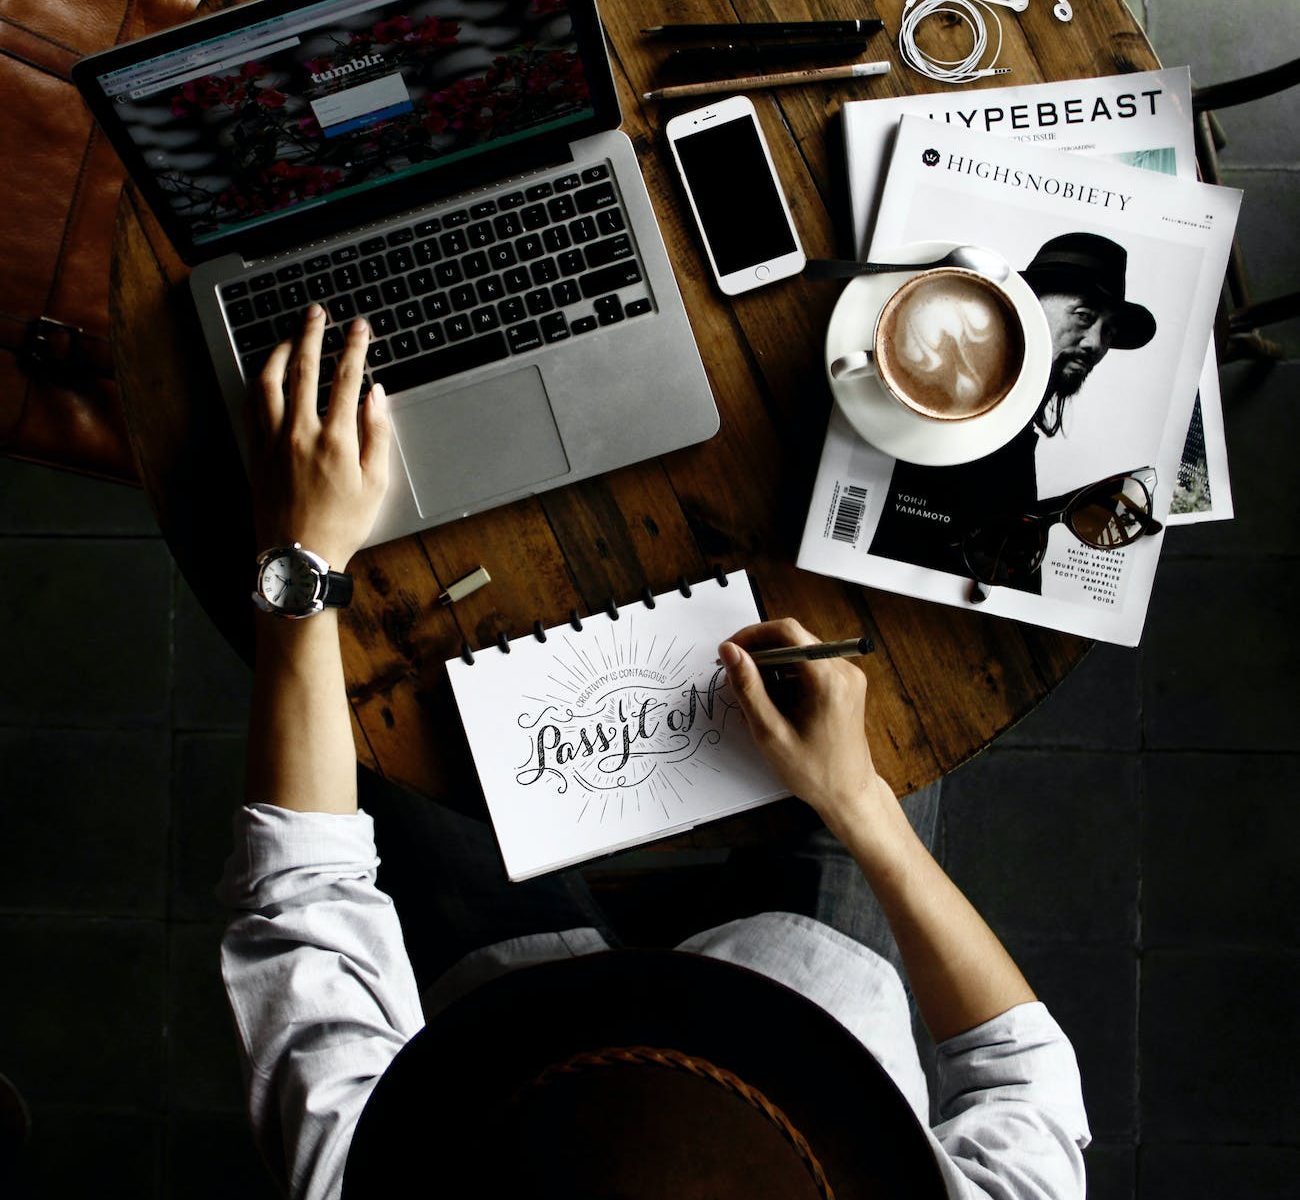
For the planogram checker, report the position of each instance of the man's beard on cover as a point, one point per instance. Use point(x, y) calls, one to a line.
point(1069, 370)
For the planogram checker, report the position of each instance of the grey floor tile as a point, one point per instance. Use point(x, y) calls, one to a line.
point(1092, 991)
point(88, 631)
point(213, 684)
point(207, 787)
point(83, 821)
point(82, 1020)
point(1098, 706)
point(1226, 41)
point(1046, 845)
point(1112, 1170)
point(203, 1064)
point(1261, 410)
point(107, 1155)
point(1225, 1172)
point(40, 500)
point(212, 1157)
point(1218, 1043)
point(1270, 212)
point(1220, 656)
point(1218, 850)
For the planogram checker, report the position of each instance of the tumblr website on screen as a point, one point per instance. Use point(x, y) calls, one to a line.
point(341, 96)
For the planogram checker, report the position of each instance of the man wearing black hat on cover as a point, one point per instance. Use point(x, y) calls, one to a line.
point(771, 1057)
point(1079, 279)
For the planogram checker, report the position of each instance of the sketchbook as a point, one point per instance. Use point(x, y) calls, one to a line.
point(612, 730)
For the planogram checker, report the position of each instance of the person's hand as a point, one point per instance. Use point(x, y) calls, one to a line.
point(317, 481)
point(814, 740)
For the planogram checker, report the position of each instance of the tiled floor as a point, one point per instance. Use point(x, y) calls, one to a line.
point(1133, 840)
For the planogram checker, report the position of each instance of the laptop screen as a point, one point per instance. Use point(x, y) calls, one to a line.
point(329, 100)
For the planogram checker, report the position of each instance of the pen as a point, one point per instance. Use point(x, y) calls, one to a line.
point(784, 655)
point(785, 79)
point(729, 54)
point(767, 29)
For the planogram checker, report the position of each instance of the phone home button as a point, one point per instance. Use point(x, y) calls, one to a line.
point(762, 272)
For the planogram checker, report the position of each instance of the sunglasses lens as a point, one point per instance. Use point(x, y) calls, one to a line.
point(1110, 514)
point(1004, 554)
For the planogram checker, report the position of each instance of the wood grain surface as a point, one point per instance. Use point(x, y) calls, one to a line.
point(943, 682)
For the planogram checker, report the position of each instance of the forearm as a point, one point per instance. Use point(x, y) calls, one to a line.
point(300, 749)
point(958, 971)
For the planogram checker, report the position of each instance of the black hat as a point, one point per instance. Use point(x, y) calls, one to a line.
point(1092, 265)
point(632, 1074)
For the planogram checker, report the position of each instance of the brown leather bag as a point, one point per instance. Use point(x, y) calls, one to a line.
point(59, 187)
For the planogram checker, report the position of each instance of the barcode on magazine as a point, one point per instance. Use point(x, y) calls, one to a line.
point(848, 506)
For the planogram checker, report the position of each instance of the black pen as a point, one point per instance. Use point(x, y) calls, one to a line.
point(743, 54)
point(783, 656)
point(768, 29)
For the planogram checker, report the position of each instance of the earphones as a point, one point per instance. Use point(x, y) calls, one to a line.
point(971, 13)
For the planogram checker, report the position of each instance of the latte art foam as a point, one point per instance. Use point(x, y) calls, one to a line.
point(949, 345)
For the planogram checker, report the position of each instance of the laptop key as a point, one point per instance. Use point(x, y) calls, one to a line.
point(341, 308)
point(346, 278)
point(372, 245)
point(511, 310)
point(583, 230)
point(592, 198)
point(562, 208)
point(394, 291)
point(373, 270)
point(517, 280)
point(601, 254)
point(534, 217)
point(332, 342)
point(319, 287)
point(261, 282)
point(508, 225)
point(368, 299)
point(344, 254)
point(240, 312)
point(510, 200)
point(461, 356)
point(609, 310)
point(293, 295)
point(454, 242)
point(234, 291)
point(524, 337)
point(475, 264)
point(539, 191)
point(565, 293)
point(609, 220)
point(436, 306)
point(583, 325)
point(409, 314)
point(431, 336)
point(266, 304)
point(378, 354)
point(502, 255)
point(463, 297)
point(484, 208)
point(399, 237)
point(286, 327)
point(254, 337)
point(404, 344)
point(458, 327)
point(571, 263)
point(289, 271)
point(637, 307)
point(485, 319)
point(539, 302)
point(554, 328)
point(421, 281)
point(317, 263)
point(610, 279)
point(556, 239)
point(426, 253)
point(382, 323)
point(399, 260)
point(451, 219)
point(544, 271)
point(481, 234)
point(424, 228)
point(491, 288)
point(568, 183)
point(529, 246)
point(447, 273)
point(592, 174)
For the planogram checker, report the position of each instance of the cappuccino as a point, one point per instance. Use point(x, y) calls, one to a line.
point(949, 344)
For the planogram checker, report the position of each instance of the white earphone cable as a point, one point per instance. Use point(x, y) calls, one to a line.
point(961, 70)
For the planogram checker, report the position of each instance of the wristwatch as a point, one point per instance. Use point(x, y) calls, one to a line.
point(295, 583)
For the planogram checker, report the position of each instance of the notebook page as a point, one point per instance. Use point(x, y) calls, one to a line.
point(597, 740)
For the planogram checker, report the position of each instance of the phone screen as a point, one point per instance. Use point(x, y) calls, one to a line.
point(735, 195)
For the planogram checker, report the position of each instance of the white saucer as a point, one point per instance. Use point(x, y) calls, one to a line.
point(883, 421)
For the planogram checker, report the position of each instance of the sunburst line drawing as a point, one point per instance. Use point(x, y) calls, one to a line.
point(573, 691)
point(667, 652)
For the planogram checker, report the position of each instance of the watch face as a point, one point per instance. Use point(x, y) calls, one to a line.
point(289, 583)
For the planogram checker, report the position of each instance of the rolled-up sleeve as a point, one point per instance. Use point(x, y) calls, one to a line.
point(319, 983)
point(1011, 1119)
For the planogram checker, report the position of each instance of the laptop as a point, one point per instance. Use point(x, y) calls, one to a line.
point(453, 171)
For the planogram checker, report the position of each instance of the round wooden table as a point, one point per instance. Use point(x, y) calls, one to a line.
point(944, 682)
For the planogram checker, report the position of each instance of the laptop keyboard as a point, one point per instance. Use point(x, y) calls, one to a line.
point(502, 276)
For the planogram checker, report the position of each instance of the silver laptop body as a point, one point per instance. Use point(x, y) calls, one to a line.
point(526, 323)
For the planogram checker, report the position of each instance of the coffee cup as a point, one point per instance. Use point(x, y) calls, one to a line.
point(948, 345)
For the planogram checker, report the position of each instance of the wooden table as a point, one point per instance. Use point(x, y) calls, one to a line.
point(944, 682)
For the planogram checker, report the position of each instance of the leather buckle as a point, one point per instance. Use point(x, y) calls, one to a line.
point(52, 347)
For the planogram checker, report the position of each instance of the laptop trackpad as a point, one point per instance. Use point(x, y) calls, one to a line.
point(485, 440)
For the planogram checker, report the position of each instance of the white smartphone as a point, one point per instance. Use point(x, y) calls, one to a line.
point(733, 191)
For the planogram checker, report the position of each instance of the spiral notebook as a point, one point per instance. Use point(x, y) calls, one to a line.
point(614, 729)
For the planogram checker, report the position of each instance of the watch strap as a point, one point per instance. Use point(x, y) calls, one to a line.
point(336, 590)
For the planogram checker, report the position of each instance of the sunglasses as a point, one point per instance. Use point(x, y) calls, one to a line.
point(1109, 514)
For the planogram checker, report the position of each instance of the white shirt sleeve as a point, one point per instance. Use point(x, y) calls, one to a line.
point(319, 983)
point(1012, 1125)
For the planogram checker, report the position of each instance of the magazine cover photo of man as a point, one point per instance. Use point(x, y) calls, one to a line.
point(1080, 280)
